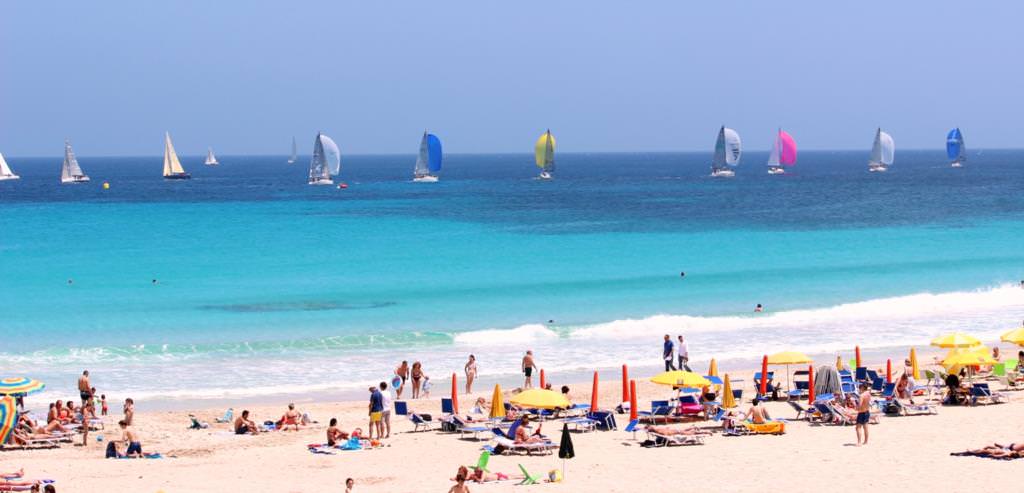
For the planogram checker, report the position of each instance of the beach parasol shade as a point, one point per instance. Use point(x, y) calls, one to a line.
point(1015, 336)
point(540, 399)
point(789, 358)
point(455, 393)
point(565, 450)
point(19, 386)
point(826, 381)
point(713, 368)
point(956, 340)
point(915, 369)
point(497, 403)
point(968, 357)
point(8, 417)
point(679, 378)
point(728, 400)
point(839, 362)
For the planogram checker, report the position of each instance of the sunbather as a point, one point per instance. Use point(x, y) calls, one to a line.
point(673, 431)
point(13, 475)
point(334, 434)
point(523, 436)
point(480, 476)
point(997, 451)
point(244, 425)
point(480, 407)
point(291, 418)
point(757, 414)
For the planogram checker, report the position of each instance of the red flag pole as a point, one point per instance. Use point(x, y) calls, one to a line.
point(764, 375)
point(625, 384)
point(593, 394)
point(810, 384)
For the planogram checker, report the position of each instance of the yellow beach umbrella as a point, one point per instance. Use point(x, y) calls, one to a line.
point(968, 357)
point(1015, 336)
point(713, 368)
point(497, 403)
point(839, 362)
point(789, 358)
point(913, 365)
point(728, 401)
point(680, 378)
point(955, 340)
point(540, 399)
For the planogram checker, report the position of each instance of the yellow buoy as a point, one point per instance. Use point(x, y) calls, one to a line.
point(106, 185)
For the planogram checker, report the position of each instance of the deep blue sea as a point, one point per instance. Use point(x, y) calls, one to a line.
point(268, 286)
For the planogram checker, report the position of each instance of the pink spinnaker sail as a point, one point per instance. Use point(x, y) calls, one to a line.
point(787, 152)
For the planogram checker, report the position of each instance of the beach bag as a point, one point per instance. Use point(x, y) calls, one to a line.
point(111, 450)
point(448, 426)
point(892, 408)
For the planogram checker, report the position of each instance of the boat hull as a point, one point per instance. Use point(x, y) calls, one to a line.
point(178, 176)
point(425, 179)
point(723, 173)
point(215, 163)
point(75, 179)
point(322, 181)
point(544, 175)
point(776, 171)
point(878, 169)
point(9, 177)
point(956, 164)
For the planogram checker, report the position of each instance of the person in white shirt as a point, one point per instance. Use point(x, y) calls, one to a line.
point(386, 400)
point(684, 354)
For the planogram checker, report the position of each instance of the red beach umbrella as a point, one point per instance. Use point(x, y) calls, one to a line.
point(625, 384)
point(810, 384)
point(857, 351)
point(455, 394)
point(632, 400)
point(764, 375)
point(593, 394)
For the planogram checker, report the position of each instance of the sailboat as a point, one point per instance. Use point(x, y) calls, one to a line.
point(172, 167)
point(211, 160)
point(295, 156)
point(882, 152)
point(70, 171)
point(955, 148)
point(544, 155)
point(428, 163)
point(783, 153)
point(326, 161)
point(5, 170)
point(727, 153)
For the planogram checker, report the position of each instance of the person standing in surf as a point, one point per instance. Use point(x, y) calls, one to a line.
point(470, 373)
point(683, 350)
point(666, 353)
point(403, 373)
point(528, 366)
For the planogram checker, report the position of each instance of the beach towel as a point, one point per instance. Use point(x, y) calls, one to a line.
point(352, 444)
point(1010, 456)
point(320, 448)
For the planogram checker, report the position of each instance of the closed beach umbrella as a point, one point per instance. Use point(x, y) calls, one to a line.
point(540, 399)
point(713, 368)
point(19, 386)
point(632, 400)
point(916, 370)
point(625, 384)
point(455, 394)
point(679, 378)
point(839, 362)
point(497, 403)
point(810, 384)
point(8, 417)
point(543, 380)
point(788, 358)
point(826, 381)
point(888, 371)
point(764, 376)
point(728, 400)
point(593, 394)
point(856, 351)
point(565, 450)
point(956, 340)
point(1015, 336)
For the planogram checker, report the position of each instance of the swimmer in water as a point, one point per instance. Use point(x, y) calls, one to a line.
point(154, 281)
point(71, 281)
point(682, 274)
point(758, 308)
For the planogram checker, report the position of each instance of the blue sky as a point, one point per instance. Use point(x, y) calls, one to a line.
point(491, 76)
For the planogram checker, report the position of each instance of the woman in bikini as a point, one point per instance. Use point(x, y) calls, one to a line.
point(417, 379)
point(470, 373)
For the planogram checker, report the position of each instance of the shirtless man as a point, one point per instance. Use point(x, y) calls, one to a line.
point(863, 413)
point(244, 425)
point(528, 366)
point(129, 438)
point(757, 414)
point(129, 410)
point(403, 372)
point(84, 389)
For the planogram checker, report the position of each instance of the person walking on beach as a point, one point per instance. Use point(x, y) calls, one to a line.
point(376, 413)
point(683, 350)
point(417, 379)
point(387, 403)
point(666, 354)
point(470, 373)
point(84, 389)
point(863, 413)
point(528, 366)
point(403, 373)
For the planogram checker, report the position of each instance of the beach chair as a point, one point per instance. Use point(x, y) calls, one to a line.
point(463, 427)
point(604, 420)
point(769, 387)
point(419, 422)
point(632, 427)
point(401, 408)
point(446, 406)
point(801, 390)
point(999, 369)
point(981, 391)
point(543, 448)
point(889, 391)
point(669, 440)
point(737, 394)
point(862, 374)
point(1009, 381)
point(581, 424)
point(527, 477)
point(800, 410)
point(229, 415)
point(658, 409)
point(914, 409)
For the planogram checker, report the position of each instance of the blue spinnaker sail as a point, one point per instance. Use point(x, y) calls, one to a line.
point(434, 153)
point(954, 143)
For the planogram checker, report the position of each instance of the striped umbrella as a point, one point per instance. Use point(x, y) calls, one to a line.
point(8, 417)
point(19, 386)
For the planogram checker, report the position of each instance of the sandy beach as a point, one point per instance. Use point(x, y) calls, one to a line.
point(909, 453)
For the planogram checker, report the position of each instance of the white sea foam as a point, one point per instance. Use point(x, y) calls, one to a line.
point(518, 335)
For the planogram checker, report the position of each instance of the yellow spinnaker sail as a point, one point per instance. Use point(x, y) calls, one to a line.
point(544, 151)
point(171, 163)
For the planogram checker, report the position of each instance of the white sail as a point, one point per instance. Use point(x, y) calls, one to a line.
point(172, 166)
point(727, 149)
point(326, 160)
point(70, 171)
point(5, 170)
point(883, 151)
point(295, 156)
point(211, 160)
point(422, 168)
point(773, 157)
point(332, 155)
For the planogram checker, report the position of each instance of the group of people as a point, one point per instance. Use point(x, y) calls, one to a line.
point(670, 352)
point(420, 380)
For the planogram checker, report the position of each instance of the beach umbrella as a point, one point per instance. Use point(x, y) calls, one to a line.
point(788, 358)
point(856, 351)
point(593, 394)
point(455, 394)
point(679, 378)
point(826, 381)
point(540, 399)
point(497, 403)
point(1015, 336)
point(713, 368)
point(975, 356)
point(565, 449)
point(916, 370)
point(810, 384)
point(955, 340)
point(625, 384)
point(632, 400)
point(8, 417)
point(20, 386)
point(728, 400)
point(839, 362)
point(764, 376)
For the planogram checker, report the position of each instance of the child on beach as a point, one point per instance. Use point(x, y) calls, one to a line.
point(460, 482)
point(103, 403)
point(349, 483)
point(129, 438)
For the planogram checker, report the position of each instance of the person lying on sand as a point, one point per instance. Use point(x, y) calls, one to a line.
point(20, 485)
point(13, 475)
point(672, 431)
point(244, 425)
point(480, 476)
point(1000, 451)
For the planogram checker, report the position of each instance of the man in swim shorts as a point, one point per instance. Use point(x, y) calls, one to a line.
point(84, 389)
point(863, 413)
point(528, 366)
point(376, 413)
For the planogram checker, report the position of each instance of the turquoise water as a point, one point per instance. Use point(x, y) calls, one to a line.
point(257, 272)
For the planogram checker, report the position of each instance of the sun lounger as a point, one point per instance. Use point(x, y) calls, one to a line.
point(581, 424)
point(420, 423)
point(603, 420)
point(981, 391)
point(801, 412)
point(229, 415)
point(543, 448)
point(769, 428)
point(669, 440)
point(463, 427)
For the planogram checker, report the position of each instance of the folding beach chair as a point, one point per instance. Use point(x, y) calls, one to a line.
point(228, 416)
point(527, 477)
point(446, 406)
point(632, 427)
point(420, 423)
point(401, 408)
point(800, 410)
